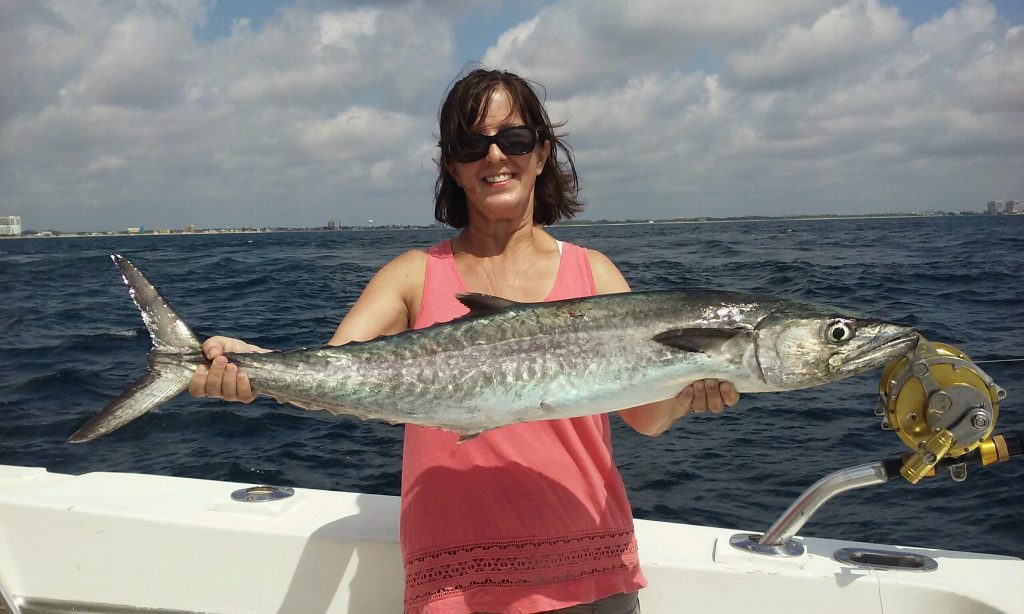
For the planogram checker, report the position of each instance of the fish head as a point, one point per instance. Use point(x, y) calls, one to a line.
point(798, 350)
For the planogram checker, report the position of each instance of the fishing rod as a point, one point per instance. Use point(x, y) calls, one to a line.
point(1012, 359)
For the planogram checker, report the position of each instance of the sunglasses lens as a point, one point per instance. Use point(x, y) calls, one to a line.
point(512, 141)
point(470, 148)
point(517, 141)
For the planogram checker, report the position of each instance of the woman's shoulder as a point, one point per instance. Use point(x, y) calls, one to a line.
point(409, 266)
point(389, 302)
point(598, 261)
point(607, 277)
point(411, 257)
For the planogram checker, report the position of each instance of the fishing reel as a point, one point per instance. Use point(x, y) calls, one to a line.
point(944, 407)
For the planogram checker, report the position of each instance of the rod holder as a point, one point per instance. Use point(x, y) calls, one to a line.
point(777, 540)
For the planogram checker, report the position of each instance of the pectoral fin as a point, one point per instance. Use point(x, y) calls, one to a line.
point(699, 340)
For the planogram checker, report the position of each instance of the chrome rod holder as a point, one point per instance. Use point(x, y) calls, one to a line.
point(777, 540)
point(794, 518)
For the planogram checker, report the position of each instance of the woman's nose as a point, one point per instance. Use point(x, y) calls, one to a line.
point(494, 153)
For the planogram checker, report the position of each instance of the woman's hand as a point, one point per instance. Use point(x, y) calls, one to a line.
point(223, 379)
point(703, 395)
point(706, 395)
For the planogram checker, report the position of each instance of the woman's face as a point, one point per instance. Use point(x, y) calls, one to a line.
point(500, 186)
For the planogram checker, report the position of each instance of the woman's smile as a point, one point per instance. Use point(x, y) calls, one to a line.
point(495, 179)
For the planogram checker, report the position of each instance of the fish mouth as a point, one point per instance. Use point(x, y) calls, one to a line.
point(879, 351)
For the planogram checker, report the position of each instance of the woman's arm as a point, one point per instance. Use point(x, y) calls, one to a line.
point(655, 418)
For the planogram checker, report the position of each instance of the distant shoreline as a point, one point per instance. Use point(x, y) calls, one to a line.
point(817, 218)
point(570, 224)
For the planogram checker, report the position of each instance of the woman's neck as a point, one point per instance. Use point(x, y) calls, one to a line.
point(498, 238)
point(515, 263)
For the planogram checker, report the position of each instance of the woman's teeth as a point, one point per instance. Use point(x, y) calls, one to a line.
point(498, 178)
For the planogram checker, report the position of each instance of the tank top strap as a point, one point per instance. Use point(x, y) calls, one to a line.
point(575, 278)
point(441, 284)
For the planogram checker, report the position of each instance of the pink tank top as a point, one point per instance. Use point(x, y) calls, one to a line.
point(525, 518)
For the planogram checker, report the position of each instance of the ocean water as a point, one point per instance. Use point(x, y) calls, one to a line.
point(70, 340)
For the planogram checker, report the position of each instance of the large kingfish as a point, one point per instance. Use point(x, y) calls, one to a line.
point(514, 362)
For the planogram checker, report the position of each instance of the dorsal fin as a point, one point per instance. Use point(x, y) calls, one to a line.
point(483, 303)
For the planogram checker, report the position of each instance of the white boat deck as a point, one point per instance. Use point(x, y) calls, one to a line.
point(106, 542)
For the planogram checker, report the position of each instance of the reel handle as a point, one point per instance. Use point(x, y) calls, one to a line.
point(994, 450)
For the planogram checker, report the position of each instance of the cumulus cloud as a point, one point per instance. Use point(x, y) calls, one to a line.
point(579, 44)
point(117, 113)
point(842, 37)
point(843, 106)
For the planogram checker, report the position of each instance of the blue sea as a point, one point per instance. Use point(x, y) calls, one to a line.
point(70, 340)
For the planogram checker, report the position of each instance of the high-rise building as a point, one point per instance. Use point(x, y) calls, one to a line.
point(10, 224)
point(998, 207)
point(333, 225)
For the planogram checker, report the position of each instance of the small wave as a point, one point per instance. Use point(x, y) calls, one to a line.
point(23, 258)
point(11, 322)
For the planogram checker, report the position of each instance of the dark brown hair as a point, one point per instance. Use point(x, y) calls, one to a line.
point(556, 195)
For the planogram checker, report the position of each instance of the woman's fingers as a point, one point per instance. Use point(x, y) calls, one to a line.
point(215, 346)
point(245, 393)
point(700, 397)
point(730, 395)
point(229, 384)
point(197, 387)
point(714, 396)
point(215, 379)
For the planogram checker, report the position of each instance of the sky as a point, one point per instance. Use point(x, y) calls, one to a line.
point(160, 114)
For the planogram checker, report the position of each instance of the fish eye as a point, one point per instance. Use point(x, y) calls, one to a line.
point(838, 332)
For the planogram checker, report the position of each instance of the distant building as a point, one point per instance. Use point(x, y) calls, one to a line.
point(10, 225)
point(999, 207)
point(133, 230)
point(333, 225)
point(190, 228)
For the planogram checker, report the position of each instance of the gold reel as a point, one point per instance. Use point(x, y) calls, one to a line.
point(940, 404)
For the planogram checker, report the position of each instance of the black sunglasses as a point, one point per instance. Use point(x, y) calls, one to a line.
point(514, 141)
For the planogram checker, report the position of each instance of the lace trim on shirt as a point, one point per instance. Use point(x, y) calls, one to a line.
point(439, 574)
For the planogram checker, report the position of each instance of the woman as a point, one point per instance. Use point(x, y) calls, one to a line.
point(530, 517)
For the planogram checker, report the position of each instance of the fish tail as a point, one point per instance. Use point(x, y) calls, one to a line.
point(176, 354)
